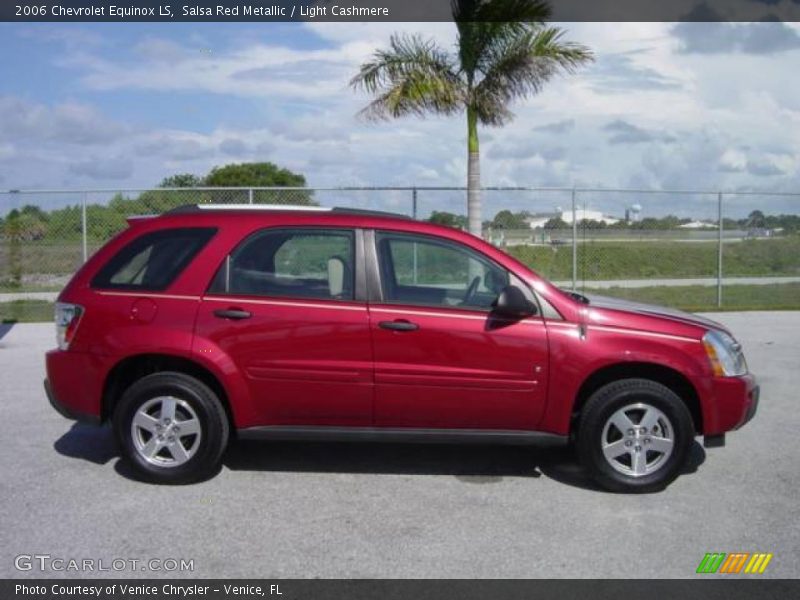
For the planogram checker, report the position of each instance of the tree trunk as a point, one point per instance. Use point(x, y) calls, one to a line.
point(473, 175)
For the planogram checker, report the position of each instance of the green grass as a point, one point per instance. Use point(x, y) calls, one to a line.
point(696, 298)
point(660, 259)
point(32, 266)
point(7, 287)
point(26, 311)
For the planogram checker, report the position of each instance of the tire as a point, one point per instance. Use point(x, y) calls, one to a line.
point(617, 453)
point(188, 417)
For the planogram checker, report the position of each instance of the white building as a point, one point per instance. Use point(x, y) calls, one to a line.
point(586, 214)
point(537, 221)
point(698, 225)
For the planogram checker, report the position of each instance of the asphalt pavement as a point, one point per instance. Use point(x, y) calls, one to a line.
point(371, 510)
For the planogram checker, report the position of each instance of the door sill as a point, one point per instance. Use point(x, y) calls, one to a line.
point(402, 434)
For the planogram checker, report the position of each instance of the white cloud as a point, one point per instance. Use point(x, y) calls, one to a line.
point(749, 38)
point(67, 123)
point(733, 161)
point(103, 169)
point(7, 151)
point(176, 145)
point(71, 35)
point(258, 71)
point(698, 120)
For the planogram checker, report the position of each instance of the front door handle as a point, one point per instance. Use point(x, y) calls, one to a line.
point(399, 325)
point(235, 314)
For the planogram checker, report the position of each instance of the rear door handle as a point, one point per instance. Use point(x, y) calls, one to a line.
point(235, 314)
point(398, 325)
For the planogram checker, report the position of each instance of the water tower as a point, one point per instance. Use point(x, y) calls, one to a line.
point(632, 213)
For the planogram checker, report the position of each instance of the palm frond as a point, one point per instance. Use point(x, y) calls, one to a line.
point(520, 67)
point(484, 23)
point(412, 76)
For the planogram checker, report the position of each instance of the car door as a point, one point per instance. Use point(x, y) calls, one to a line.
point(442, 359)
point(286, 309)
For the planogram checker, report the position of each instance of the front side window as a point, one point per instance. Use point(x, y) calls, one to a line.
point(418, 269)
point(293, 263)
point(154, 260)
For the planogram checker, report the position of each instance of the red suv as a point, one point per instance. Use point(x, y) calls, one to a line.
point(312, 323)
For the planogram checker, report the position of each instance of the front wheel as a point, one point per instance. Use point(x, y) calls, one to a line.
point(171, 427)
point(634, 435)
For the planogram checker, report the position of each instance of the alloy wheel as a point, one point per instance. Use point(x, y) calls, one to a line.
point(166, 431)
point(637, 440)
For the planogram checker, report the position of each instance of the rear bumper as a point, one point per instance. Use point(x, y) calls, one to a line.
point(65, 411)
point(74, 384)
point(731, 403)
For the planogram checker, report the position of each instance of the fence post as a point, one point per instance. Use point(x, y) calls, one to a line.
point(414, 215)
point(719, 250)
point(83, 226)
point(574, 243)
point(250, 195)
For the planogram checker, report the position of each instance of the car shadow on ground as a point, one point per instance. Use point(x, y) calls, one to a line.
point(88, 442)
point(5, 327)
point(472, 464)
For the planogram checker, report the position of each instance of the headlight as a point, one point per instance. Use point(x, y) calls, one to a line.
point(725, 354)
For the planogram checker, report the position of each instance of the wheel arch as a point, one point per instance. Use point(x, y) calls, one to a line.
point(134, 367)
point(667, 376)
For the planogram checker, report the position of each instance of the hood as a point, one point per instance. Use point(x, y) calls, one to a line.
point(653, 310)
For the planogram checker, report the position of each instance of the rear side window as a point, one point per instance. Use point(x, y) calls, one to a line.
point(154, 260)
point(292, 263)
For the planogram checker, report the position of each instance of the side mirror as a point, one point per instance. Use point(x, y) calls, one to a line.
point(512, 303)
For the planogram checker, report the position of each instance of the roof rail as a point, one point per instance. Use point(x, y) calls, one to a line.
point(194, 208)
point(187, 208)
point(368, 212)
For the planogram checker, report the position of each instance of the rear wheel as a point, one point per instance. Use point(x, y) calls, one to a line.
point(171, 427)
point(634, 435)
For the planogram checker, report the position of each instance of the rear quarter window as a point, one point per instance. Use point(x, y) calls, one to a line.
point(152, 261)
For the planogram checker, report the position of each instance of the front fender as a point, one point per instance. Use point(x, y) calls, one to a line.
point(577, 352)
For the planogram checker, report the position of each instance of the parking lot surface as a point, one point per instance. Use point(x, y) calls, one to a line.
point(372, 510)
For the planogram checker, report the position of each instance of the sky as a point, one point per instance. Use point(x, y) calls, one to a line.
point(664, 106)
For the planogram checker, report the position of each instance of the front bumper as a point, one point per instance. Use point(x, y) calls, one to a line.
point(755, 395)
point(729, 404)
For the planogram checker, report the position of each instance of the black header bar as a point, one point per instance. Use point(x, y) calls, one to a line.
point(258, 11)
point(734, 588)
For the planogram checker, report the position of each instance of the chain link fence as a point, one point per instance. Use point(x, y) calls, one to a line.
point(688, 249)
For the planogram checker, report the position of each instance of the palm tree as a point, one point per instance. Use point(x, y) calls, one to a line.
point(496, 61)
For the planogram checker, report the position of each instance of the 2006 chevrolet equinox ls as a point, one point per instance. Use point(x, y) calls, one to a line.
point(309, 323)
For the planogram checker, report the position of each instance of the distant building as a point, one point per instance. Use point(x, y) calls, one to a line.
point(585, 214)
point(698, 225)
point(538, 220)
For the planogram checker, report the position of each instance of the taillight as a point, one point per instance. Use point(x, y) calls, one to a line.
point(67, 318)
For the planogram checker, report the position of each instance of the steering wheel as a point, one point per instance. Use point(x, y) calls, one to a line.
point(473, 287)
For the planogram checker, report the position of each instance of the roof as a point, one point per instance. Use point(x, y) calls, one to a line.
point(244, 217)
